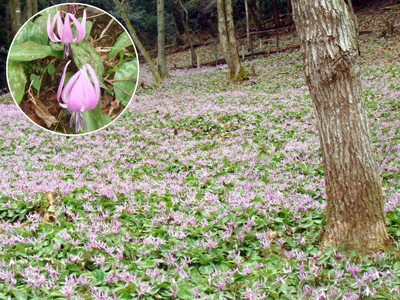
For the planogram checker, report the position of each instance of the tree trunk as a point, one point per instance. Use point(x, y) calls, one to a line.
point(259, 25)
point(162, 59)
point(355, 215)
point(185, 27)
point(15, 16)
point(29, 9)
point(34, 7)
point(288, 18)
point(247, 23)
point(226, 30)
point(178, 34)
point(137, 42)
point(355, 20)
point(275, 13)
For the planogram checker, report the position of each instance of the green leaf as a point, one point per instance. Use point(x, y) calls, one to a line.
point(94, 119)
point(128, 70)
point(23, 34)
point(68, 75)
point(38, 32)
point(56, 46)
point(17, 80)
point(20, 294)
point(122, 42)
point(183, 293)
point(35, 81)
point(84, 53)
point(29, 51)
point(50, 11)
point(51, 69)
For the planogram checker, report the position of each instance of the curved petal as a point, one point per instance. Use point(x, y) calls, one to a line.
point(80, 28)
point(91, 99)
point(95, 81)
point(77, 95)
point(60, 25)
point(68, 87)
point(60, 87)
point(67, 32)
point(50, 28)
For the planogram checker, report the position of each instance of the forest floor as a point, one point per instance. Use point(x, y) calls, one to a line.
point(201, 190)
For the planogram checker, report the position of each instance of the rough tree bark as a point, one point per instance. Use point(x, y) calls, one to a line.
point(162, 58)
point(226, 30)
point(185, 27)
point(355, 215)
point(275, 13)
point(137, 42)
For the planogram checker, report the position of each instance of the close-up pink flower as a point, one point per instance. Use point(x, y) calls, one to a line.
point(79, 94)
point(64, 30)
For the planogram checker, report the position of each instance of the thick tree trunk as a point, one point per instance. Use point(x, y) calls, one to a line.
point(275, 13)
point(162, 59)
point(15, 16)
point(226, 30)
point(355, 214)
point(137, 42)
point(185, 27)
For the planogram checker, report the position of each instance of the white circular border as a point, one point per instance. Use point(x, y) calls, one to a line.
point(137, 79)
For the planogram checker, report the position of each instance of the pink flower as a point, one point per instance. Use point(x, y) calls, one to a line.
point(79, 94)
point(64, 30)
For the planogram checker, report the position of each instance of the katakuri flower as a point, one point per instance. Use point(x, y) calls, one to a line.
point(64, 30)
point(79, 94)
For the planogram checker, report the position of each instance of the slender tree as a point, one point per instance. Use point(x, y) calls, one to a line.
point(137, 42)
point(275, 13)
point(355, 216)
point(185, 27)
point(226, 30)
point(162, 58)
point(246, 5)
point(29, 9)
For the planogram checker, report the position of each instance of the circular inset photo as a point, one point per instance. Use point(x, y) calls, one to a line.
point(72, 69)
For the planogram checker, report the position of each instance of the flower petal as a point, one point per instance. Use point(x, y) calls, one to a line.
point(77, 95)
point(95, 81)
point(91, 99)
point(67, 32)
point(80, 27)
point(50, 28)
point(68, 87)
point(60, 26)
point(60, 87)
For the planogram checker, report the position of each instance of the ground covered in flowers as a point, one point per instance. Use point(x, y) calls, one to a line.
point(203, 190)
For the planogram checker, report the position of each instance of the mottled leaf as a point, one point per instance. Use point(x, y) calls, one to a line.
point(94, 119)
point(38, 32)
point(29, 51)
point(122, 42)
point(17, 80)
point(84, 53)
point(56, 46)
point(128, 70)
point(23, 34)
